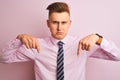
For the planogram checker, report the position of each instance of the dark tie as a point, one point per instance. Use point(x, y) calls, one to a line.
point(60, 62)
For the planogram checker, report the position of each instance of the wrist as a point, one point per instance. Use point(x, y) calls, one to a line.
point(99, 41)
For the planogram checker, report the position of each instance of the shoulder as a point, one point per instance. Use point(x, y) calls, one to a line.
point(44, 40)
point(74, 38)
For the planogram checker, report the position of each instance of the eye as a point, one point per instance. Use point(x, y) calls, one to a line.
point(64, 22)
point(55, 22)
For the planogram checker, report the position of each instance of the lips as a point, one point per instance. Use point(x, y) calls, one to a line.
point(59, 33)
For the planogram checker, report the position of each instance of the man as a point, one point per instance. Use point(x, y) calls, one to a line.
point(60, 57)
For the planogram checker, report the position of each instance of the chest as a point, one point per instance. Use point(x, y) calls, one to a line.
point(47, 57)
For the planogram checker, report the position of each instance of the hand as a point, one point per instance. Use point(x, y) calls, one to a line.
point(29, 41)
point(87, 42)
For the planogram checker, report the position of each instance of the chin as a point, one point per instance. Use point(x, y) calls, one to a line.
point(59, 37)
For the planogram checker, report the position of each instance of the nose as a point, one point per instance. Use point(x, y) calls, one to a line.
point(59, 26)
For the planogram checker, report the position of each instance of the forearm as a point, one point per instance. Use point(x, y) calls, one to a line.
point(9, 50)
point(111, 48)
point(106, 50)
point(14, 51)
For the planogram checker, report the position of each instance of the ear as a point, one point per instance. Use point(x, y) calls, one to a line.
point(48, 23)
point(70, 22)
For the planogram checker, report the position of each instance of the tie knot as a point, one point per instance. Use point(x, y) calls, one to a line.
point(60, 43)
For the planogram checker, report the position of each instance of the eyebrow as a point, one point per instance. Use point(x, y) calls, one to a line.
point(61, 22)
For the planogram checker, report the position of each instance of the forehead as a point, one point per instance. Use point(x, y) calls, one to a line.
point(59, 16)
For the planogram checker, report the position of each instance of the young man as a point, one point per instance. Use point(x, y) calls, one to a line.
point(60, 57)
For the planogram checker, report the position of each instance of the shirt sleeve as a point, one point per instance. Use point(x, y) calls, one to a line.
point(107, 50)
point(15, 51)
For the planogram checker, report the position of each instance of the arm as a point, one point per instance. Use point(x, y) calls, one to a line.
point(29, 41)
point(99, 47)
point(107, 50)
point(15, 51)
point(88, 42)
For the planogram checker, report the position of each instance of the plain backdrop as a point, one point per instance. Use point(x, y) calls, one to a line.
point(88, 16)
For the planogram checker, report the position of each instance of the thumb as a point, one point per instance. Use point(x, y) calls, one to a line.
point(79, 49)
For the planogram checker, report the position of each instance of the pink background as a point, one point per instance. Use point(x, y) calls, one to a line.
point(88, 16)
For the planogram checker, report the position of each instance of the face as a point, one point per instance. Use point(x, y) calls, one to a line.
point(59, 24)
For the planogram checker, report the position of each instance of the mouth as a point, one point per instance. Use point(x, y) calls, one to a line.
point(59, 33)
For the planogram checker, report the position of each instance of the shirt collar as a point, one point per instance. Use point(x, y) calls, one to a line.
point(55, 41)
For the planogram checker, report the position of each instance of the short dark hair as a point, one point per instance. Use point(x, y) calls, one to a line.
point(58, 7)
